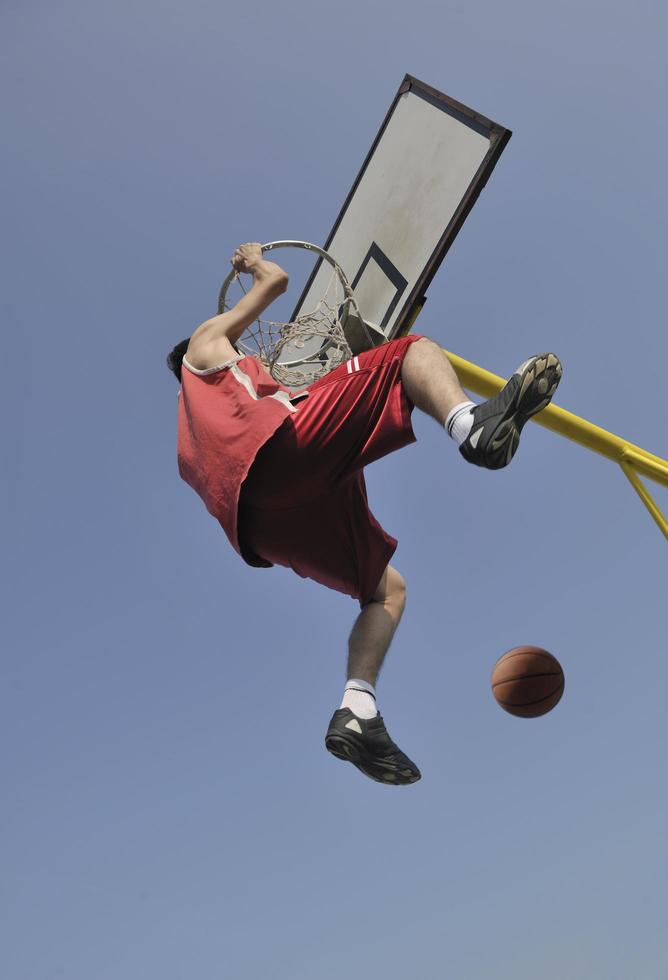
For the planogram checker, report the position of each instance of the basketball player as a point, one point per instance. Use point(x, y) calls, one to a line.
point(270, 464)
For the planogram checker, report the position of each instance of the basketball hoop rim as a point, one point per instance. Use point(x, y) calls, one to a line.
point(294, 243)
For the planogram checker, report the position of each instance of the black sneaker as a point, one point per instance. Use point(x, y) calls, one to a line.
point(497, 423)
point(367, 745)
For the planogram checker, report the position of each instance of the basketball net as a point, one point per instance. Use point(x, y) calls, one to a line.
point(318, 340)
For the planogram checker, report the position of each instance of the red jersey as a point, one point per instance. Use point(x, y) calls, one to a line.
point(226, 414)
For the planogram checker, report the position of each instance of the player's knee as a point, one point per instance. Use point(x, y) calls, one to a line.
point(423, 352)
point(391, 589)
point(397, 589)
point(414, 349)
point(424, 342)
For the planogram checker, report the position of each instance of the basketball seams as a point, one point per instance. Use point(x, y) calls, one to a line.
point(525, 704)
point(528, 677)
point(527, 652)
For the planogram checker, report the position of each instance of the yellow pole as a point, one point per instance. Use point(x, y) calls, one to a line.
point(632, 459)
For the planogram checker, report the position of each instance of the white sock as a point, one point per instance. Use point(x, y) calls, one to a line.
point(459, 421)
point(360, 697)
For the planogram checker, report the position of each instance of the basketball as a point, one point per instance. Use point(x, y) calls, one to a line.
point(527, 681)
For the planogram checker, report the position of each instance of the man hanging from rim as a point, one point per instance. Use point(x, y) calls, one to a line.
point(269, 462)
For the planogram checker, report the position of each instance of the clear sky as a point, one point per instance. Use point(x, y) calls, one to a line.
point(169, 810)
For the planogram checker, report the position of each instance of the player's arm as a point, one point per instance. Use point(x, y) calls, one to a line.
point(212, 342)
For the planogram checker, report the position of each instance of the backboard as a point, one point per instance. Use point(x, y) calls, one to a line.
point(423, 174)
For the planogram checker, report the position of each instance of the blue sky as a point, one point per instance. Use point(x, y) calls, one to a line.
point(169, 809)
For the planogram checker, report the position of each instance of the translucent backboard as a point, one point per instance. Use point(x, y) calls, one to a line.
point(423, 174)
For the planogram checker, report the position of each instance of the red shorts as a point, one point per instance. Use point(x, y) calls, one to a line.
point(304, 504)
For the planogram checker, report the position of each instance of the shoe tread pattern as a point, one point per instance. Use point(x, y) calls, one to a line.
point(373, 752)
point(498, 422)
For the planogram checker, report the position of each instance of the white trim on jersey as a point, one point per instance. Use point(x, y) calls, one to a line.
point(218, 367)
point(243, 379)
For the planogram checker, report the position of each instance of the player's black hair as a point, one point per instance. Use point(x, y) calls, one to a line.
point(175, 358)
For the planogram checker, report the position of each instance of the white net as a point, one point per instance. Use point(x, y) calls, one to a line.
point(300, 351)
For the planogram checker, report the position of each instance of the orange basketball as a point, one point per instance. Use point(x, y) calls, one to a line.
point(527, 681)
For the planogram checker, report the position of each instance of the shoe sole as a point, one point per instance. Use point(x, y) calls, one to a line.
point(348, 750)
point(539, 378)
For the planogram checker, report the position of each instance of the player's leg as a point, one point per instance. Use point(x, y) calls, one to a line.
point(357, 731)
point(430, 381)
point(375, 626)
point(488, 434)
